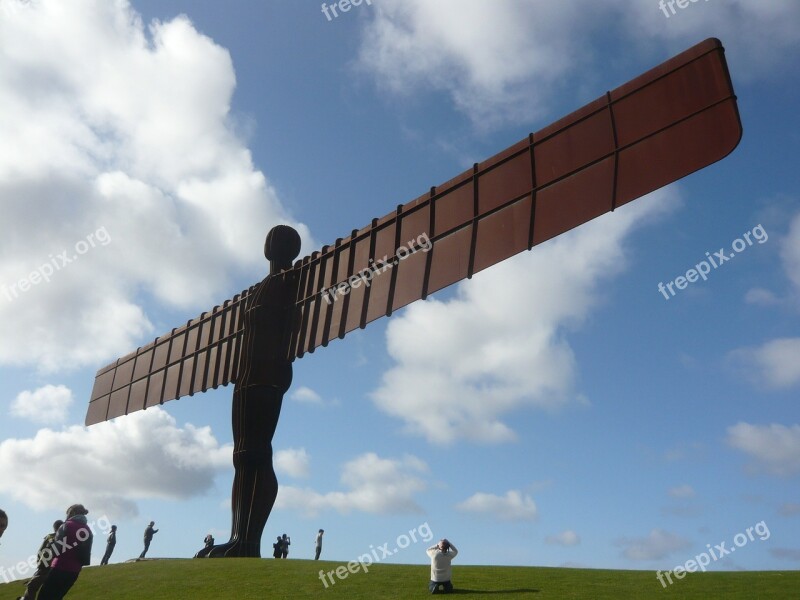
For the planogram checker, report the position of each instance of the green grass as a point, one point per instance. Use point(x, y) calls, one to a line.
point(268, 579)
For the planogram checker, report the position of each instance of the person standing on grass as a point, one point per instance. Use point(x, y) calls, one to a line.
point(47, 551)
point(110, 543)
point(277, 548)
point(74, 539)
point(285, 542)
point(319, 544)
point(149, 532)
point(441, 572)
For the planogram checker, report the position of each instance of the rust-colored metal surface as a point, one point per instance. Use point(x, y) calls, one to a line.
point(663, 125)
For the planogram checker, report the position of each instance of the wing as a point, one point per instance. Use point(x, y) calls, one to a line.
point(200, 355)
point(667, 123)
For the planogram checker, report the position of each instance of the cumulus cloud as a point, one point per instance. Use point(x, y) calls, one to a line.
point(775, 364)
point(108, 123)
point(682, 491)
point(373, 485)
point(48, 404)
point(514, 506)
point(775, 449)
point(293, 462)
point(109, 466)
point(565, 538)
point(490, 351)
point(656, 545)
point(502, 61)
point(305, 395)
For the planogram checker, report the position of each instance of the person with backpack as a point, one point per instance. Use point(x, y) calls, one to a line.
point(277, 548)
point(74, 545)
point(47, 551)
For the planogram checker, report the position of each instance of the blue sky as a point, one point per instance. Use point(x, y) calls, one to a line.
point(556, 410)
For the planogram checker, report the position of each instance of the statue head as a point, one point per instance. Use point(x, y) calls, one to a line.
point(281, 247)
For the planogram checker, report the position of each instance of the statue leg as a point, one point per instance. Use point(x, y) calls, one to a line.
point(256, 410)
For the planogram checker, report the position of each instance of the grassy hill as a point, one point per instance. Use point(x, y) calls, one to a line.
point(268, 579)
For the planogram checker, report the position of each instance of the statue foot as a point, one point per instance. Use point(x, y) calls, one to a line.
point(235, 549)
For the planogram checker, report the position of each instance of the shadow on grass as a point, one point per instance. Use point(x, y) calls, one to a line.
point(517, 591)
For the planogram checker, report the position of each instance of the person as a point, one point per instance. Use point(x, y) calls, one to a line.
point(319, 544)
point(208, 547)
point(277, 548)
point(285, 542)
point(110, 543)
point(74, 539)
point(149, 532)
point(3, 521)
point(441, 572)
point(265, 374)
point(47, 551)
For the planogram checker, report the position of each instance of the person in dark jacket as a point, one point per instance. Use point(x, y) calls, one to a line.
point(318, 544)
point(47, 551)
point(277, 548)
point(74, 539)
point(149, 532)
point(110, 543)
point(285, 542)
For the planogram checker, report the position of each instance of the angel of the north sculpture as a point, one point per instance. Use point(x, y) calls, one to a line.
point(673, 120)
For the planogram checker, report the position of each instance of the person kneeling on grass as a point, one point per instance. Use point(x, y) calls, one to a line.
point(441, 571)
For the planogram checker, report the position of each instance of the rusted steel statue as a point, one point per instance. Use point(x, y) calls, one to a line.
point(663, 125)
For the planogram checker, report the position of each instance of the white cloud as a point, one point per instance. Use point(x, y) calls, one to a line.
point(514, 506)
point(109, 466)
point(775, 364)
point(565, 538)
point(292, 461)
point(682, 491)
point(775, 448)
point(506, 60)
point(373, 485)
point(656, 545)
point(106, 123)
point(762, 297)
point(305, 395)
point(487, 352)
point(48, 404)
point(790, 253)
